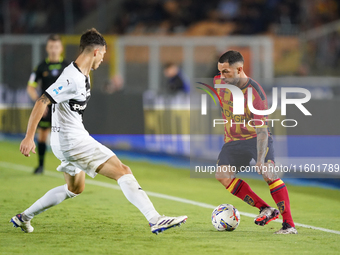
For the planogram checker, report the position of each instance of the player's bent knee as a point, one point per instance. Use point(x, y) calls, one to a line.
point(270, 179)
point(76, 190)
point(122, 170)
point(270, 175)
point(126, 169)
point(225, 175)
point(267, 180)
point(224, 181)
point(73, 192)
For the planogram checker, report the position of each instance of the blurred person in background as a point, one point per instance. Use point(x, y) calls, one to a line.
point(176, 80)
point(115, 84)
point(46, 73)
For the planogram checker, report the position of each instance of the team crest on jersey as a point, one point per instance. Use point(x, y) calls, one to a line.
point(281, 206)
point(249, 200)
point(57, 90)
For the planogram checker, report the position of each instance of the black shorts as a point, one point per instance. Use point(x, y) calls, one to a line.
point(240, 153)
point(45, 121)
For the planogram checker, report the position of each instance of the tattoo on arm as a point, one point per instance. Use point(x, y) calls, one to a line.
point(44, 99)
point(262, 143)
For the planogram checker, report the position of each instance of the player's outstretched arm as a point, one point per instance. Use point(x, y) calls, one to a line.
point(262, 144)
point(27, 145)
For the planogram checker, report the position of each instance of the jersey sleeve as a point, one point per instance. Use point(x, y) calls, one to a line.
point(35, 77)
point(62, 90)
point(260, 104)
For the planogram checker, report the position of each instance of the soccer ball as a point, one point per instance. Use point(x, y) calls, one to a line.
point(225, 217)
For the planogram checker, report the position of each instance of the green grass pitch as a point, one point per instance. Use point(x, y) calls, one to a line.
point(102, 221)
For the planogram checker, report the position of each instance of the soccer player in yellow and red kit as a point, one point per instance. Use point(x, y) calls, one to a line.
point(247, 137)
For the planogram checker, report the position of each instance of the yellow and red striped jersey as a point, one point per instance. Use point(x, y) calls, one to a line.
point(242, 127)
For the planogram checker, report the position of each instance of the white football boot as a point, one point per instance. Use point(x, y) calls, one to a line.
point(165, 222)
point(19, 222)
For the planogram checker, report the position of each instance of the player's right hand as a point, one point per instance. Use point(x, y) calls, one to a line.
point(26, 146)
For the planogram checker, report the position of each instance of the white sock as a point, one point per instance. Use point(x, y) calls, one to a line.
point(51, 198)
point(134, 193)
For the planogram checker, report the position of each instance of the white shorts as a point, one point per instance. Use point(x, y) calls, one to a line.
point(86, 156)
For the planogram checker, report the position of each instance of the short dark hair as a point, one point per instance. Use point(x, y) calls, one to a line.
point(231, 57)
point(54, 37)
point(169, 64)
point(91, 38)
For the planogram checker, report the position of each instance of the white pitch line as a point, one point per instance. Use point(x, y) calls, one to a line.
point(154, 194)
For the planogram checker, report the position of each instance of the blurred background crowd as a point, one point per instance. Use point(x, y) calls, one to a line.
point(289, 18)
point(171, 16)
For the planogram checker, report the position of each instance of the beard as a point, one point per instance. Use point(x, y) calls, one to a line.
point(232, 81)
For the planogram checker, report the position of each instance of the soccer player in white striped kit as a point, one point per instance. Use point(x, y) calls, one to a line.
point(78, 152)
